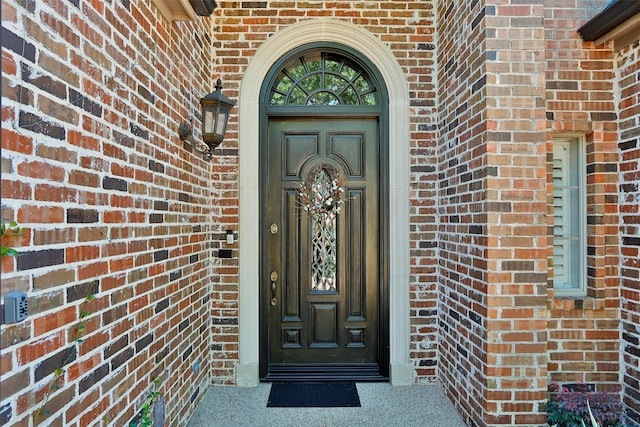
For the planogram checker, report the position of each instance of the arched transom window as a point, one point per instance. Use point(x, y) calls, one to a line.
point(323, 78)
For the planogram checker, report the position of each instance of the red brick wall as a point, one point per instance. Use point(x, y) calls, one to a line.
point(462, 183)
point(516, 216)
point(92, 167)
point(628, 82)
point(584, 332)
point(493, 232)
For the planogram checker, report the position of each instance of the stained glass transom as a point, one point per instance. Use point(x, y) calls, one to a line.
point(323, 78)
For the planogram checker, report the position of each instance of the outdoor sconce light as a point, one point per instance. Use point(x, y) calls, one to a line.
point(215, 115)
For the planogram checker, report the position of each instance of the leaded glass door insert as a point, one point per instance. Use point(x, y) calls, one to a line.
point(323, 260)
point(322, 196)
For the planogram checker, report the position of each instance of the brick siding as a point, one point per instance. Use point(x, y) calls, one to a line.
point(112, 204)
point(628, 80)
point(584, 332)
point(592, 91)
point(492, 211)
point(462, 182)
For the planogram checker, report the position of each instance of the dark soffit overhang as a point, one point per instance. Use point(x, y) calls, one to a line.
point(614, 13)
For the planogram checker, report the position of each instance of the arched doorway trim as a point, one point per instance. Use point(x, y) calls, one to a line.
point(324, 30)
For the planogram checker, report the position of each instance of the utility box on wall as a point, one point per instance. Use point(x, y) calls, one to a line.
point(16, 307)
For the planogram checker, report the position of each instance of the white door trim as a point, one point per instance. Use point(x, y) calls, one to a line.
point(323, 30)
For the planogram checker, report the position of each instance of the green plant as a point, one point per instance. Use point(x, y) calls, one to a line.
point(594, 423)
point(144, 417)
point(10, 230)
point(54, 385)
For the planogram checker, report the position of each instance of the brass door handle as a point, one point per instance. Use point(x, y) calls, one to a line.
point(274, 278)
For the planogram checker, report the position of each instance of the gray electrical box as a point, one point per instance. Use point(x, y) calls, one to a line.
point(16, 307)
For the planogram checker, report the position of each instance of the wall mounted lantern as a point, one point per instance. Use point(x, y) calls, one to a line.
point(215, 115)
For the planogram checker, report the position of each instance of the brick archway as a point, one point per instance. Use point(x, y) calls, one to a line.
point(324, 30)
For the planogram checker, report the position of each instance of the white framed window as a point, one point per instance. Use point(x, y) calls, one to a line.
point(569, 217)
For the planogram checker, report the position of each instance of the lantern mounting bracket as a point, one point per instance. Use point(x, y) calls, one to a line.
point(185, 132)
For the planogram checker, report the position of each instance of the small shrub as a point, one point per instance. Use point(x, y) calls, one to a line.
point(569, 407)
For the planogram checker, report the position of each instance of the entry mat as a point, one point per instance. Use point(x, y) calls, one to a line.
point(313, 395)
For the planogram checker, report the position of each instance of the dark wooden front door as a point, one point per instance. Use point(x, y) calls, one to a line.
point(321, 256)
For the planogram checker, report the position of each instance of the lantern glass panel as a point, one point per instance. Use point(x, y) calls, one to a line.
point(208, 122)
point(222, 123)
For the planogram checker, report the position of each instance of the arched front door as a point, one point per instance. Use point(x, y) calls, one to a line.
point(324, 238)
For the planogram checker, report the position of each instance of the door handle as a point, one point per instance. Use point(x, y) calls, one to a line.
point(274, 278)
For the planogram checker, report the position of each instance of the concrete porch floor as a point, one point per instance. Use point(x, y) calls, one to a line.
point(382, 405)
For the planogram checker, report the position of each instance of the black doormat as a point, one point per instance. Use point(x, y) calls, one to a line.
point(313, 395)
